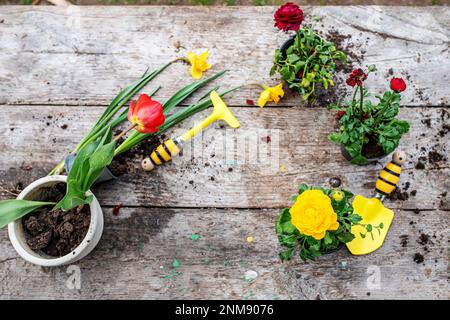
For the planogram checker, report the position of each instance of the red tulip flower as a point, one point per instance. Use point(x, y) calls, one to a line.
point(398, 85)
point(288, 17)
point(146, 114)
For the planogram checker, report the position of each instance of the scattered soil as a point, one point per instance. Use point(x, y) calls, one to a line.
point(125, 163)
point(56, 233)
point(398, 194)
point(434, 156)
point(343, 43)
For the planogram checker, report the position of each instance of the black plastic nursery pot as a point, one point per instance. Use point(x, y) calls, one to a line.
point(105, 175)
point(286, 46)
point(370, 160)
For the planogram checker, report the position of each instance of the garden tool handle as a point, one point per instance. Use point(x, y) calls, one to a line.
point(389, 176)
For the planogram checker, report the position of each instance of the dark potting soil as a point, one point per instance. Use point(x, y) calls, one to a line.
point(372, 149)
point(56, 233)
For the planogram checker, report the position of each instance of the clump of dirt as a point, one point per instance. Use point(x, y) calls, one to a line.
point(427, 122)
point(398, 194)
point(418, 258)
point(445, 129)
point(424, 239)
point(404, 240)
point(56, 233)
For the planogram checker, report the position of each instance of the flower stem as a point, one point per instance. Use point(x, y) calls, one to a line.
point(120, 135)
point(380, 112)
point(361, 99)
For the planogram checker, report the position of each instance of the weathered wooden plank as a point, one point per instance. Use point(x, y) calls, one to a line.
point(83, 55)
point(135, 255)
point(214, 173)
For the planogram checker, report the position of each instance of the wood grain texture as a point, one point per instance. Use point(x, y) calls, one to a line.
point(135, 255)
point(299, 152)
point(84, 55)
point(55, 62)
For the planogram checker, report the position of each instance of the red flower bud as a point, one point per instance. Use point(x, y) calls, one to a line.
point(398, 85)
point(288, 17)
point(146, 114)
point(340, 114)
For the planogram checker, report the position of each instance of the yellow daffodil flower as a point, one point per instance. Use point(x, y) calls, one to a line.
point(198, 64)
point(270, 94)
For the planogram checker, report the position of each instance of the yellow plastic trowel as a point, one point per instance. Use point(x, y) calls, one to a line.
point(372, 210)
point(169, 148)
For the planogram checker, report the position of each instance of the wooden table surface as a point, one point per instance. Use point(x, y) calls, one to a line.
point(60, 67)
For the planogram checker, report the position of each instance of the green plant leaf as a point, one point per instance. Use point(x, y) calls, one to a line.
point(86, 167)
point(11, 210)
point(345, 237)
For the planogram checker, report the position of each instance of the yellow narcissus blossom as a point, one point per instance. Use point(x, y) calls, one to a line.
point(198, 64)
point(313, 215)
point(270, 94)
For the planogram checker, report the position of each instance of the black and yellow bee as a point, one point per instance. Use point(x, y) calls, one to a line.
point(389, 176)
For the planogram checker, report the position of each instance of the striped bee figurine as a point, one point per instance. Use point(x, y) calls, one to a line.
point(389, 176)
point(163, 153)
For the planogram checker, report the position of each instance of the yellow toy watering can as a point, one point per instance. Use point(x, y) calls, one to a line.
point(373, 212)
point(169, 148)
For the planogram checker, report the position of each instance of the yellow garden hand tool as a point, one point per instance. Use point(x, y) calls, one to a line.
point(376, 219)
point(169, 148)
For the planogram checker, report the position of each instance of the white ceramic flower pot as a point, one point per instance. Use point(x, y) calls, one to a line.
point(18, 238)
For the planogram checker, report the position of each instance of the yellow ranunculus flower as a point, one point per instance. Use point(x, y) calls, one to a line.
point(270, 94)
point(198, 64)
point(312, 214)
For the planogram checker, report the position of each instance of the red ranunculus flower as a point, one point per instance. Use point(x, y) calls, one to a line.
point(340, 114)
point(146, 114)
point(398, 84)
point(356, 77)
point(288, 17)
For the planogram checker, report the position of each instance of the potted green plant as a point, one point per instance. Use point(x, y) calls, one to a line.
point(49, 237)
point(318, 222)
point(306, 60)
point(369, 131)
